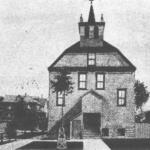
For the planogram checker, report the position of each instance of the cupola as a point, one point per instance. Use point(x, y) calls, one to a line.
point(91, 32)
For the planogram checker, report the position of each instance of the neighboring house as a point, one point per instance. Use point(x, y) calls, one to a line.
point(6, 108)
point(102, 102)
point(9, 101)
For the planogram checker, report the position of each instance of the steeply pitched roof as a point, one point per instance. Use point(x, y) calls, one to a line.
point(91, 19)
point(106, 48)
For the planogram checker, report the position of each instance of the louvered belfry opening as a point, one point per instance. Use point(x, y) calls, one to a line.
point(91, 32)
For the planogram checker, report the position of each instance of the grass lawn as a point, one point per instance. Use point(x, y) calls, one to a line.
point(51, 145)
point(128, 144)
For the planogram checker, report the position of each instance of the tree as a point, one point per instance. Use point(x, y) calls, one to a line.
point(141, 94)
point(20, 113)
point(25, 118)
point(141, 97)
point(62, 83)
point(1, 98)
point(42, 121)
point(10, 130)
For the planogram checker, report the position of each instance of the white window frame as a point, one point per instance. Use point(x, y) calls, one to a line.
point(82, 81)
point(91, 59)
point(100, 81)
point(121, 97)
point(60, 99)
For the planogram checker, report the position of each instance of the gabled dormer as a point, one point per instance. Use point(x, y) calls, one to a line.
point(91, 32)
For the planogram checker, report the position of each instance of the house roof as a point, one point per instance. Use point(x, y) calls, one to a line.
point(9, 98)
point(27, 99)
point(106, 48)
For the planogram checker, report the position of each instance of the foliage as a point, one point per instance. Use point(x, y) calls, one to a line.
point(24, 118)
point(19, 114)
point(140, 118)
point(62, 82)
point(10, 130)
point(147, 117)
point(30, 119)
point(1, 98)
point(43, 121)
point(141, 94)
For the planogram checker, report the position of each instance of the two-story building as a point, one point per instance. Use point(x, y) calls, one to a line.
point(102, 102)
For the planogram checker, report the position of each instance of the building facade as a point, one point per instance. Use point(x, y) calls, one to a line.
point(102, 102)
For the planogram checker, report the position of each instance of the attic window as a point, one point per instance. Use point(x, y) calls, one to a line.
point(91, 59)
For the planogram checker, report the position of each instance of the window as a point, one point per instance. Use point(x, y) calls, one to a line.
point(121, 132)
point(60, 99)
point(82, 81)
point(100, 81)
point(82, 31)
point(91, 32)
point(91, 59)
point(105, 132)
point(121, 97)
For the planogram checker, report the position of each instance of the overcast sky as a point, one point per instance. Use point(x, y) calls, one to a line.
point(33, 33)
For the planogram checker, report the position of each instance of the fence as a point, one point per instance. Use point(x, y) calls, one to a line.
point(142, 130)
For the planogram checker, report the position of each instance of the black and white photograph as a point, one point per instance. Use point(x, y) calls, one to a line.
point(75, 75)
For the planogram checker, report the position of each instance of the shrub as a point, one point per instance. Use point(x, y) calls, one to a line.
point(10, 130)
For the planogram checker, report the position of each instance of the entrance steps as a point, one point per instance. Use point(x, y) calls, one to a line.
point(88, 134)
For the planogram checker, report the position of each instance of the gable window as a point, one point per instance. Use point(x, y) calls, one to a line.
point(105, 132)
point(60, 99)
point(91, 59)
point(91, 32)
point(82, 30)
point(121, 97)
point(121, 132)
point(100, 81)
point(82, 81)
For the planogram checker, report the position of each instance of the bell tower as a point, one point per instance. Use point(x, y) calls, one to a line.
point(91, 32)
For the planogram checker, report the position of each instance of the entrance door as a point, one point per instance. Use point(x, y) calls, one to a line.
point(76, 129)
point(92, 121)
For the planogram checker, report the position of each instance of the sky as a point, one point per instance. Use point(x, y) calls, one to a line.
point(33, 33)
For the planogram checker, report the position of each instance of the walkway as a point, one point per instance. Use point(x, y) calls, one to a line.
point(95, 144)
point(16, 144)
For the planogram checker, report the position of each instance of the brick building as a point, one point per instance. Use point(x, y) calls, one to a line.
point(102, 102)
